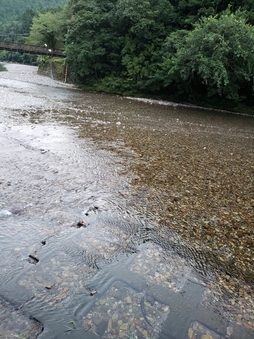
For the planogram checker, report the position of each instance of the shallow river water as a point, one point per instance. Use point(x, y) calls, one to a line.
point(121, 217)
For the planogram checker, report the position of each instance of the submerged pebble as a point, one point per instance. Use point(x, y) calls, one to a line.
point(5, 213)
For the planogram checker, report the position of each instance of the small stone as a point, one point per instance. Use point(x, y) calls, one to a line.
point(165, 309)
point(32, 259)
point(109, 325)
point(96, 320)
point(239, 320)
point(93, 292)
point(124, 327)
point(247, 324)
point(142, 331)
point(190, 333)
point(206, 336)
point(128, 300)
point(81, 223)
point(132, 328)
point(114, 317)
point(229, 331)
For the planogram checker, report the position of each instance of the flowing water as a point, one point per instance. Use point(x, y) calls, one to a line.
point(121, 217)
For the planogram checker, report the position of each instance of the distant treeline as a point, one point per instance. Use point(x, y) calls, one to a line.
point(12, 9)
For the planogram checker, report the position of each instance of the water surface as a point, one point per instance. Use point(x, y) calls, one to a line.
point(121, 218)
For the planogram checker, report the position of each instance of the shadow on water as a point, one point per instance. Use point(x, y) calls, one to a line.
point(119, 220)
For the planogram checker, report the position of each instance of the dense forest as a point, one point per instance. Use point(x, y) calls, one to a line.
point(11, 9)
point(188, 50)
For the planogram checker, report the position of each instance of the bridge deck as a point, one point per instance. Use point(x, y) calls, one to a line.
point(22, 48)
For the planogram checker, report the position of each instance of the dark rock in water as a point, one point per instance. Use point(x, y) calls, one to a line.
point(81, 223)
point(91, 209)
point(93, 292)
point(32, 260)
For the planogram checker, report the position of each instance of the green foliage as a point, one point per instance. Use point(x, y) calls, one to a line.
point(148, 25)
point(2, 68)
point(107, 38)
point(218, 54)
point(11, 9)
point(187, 12)
point(47, 30)
point(91, 42)
point(186, 50)
point(16, 17)
point(28, 59)
point(43, 59)
point(25, 21)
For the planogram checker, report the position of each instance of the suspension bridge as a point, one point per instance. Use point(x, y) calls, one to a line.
point(22, 48)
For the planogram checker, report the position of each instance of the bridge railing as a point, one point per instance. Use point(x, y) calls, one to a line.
point(23, 48)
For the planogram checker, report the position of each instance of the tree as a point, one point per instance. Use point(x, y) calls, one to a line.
point(26, 20)
point(46, 30)
point(117, 38)
point(92, 43)
point(10, 9)
point(217, 54)
point(187, 12)
point(148, 25)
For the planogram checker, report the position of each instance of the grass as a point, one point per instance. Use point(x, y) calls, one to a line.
point(2, 68)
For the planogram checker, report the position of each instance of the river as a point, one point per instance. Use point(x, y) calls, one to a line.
point(122, 217)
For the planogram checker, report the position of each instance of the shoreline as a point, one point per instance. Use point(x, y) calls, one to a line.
point(15, 71)
point(35, 78)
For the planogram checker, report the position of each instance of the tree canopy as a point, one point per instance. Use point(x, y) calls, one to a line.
point(10, 9)
point(218, 54)
point(46, 29)
point(116, 37)
point(186, 47)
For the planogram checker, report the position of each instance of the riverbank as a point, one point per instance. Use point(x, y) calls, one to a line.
point(30, 74)
point(56, 73)
point(203, 102)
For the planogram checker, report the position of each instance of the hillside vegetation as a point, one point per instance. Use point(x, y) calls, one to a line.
point(10, 9)
point(189, 50)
